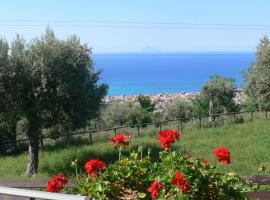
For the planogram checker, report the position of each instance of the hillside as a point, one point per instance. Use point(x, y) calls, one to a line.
point(248, 142)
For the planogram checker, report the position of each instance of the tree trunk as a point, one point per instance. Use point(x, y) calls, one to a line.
point(212, 110)
point(33, 149)
point(32, 165)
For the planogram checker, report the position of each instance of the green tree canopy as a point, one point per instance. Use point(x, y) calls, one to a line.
point(146, 103)
point(120, 114)
point(200, 105)
point(257, 77)
point(49, 81)
point(178, 108)
point(220, 91)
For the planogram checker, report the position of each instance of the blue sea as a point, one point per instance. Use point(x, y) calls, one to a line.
point(128, 74)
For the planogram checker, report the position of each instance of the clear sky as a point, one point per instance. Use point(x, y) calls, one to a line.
point(143, 25)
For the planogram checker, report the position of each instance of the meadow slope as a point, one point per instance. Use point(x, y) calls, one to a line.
point(249, 144)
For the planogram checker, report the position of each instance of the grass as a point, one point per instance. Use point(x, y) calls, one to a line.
point(249, 144)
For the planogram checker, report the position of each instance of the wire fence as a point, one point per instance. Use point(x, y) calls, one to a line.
point(138, 130)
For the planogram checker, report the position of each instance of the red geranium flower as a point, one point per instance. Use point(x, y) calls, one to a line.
point(223, 155)
point(91, 167)
point(179, 180)
point(57, 183)
point(167, 137)
point(205, 161)
point(120, 140)
point(154, 189)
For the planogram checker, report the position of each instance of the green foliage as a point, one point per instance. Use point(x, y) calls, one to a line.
point(200, 105)
point(127, 177)
point(54, 80)
point(22, 127)
point(146, 103)
point(120, 114)
point(131, 176)
point(126, 113)
point(257, 81)
point(8, 133)
point(250, 104)
point(178, 108)
point(205, 180)
point(220, 91)
point(146, 109)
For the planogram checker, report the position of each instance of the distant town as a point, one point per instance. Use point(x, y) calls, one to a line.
point(163, 98)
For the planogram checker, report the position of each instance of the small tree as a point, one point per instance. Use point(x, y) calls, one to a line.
point(257, 77)
point(50, 81)
point(220, 91)
point(146, 103)
point(178, 108)
point(147, 108)
point(200, 105)
point(120, 114)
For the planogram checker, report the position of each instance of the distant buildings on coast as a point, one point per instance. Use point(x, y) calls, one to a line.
point(163, 98)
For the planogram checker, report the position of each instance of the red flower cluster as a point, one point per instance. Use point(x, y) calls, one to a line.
point(57, 183)
point(154, 189)
point(167, 137)
point(223, 155)
point(180, 181)
point(91, 167)
point(120, 140)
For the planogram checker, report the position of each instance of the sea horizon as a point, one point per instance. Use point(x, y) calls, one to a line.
point(168, 72)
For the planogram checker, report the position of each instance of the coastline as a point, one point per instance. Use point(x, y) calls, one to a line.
point(162, 99)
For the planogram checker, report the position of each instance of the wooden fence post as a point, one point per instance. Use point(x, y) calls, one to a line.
point(200, 119)
point(266, 117)
point(181, 125)
point(90, 137)
point(233, 118)
point(41, 141)
point(251, 115)
point(115, 132)
point(160, 126)
point(138, 129)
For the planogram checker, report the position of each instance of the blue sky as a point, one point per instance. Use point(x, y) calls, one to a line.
point(241, 31)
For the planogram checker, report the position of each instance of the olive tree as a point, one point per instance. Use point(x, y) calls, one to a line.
point(9, 112)
point(200, 105)
point(125, 113)
point(50, 81)
point(257, 77)
point(178, 108)
point(220, 91)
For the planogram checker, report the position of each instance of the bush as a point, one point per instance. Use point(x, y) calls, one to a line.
point(200, 105)
point(250, 104)
point(178, 108)
point(120, 114)
point(126, 113)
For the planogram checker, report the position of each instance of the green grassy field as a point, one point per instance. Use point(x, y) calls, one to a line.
point(249, 144)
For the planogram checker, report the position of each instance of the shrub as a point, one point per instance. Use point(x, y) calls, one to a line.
point(120, 114)
point(126, 113)
point(200, 105)
point(178, 108)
